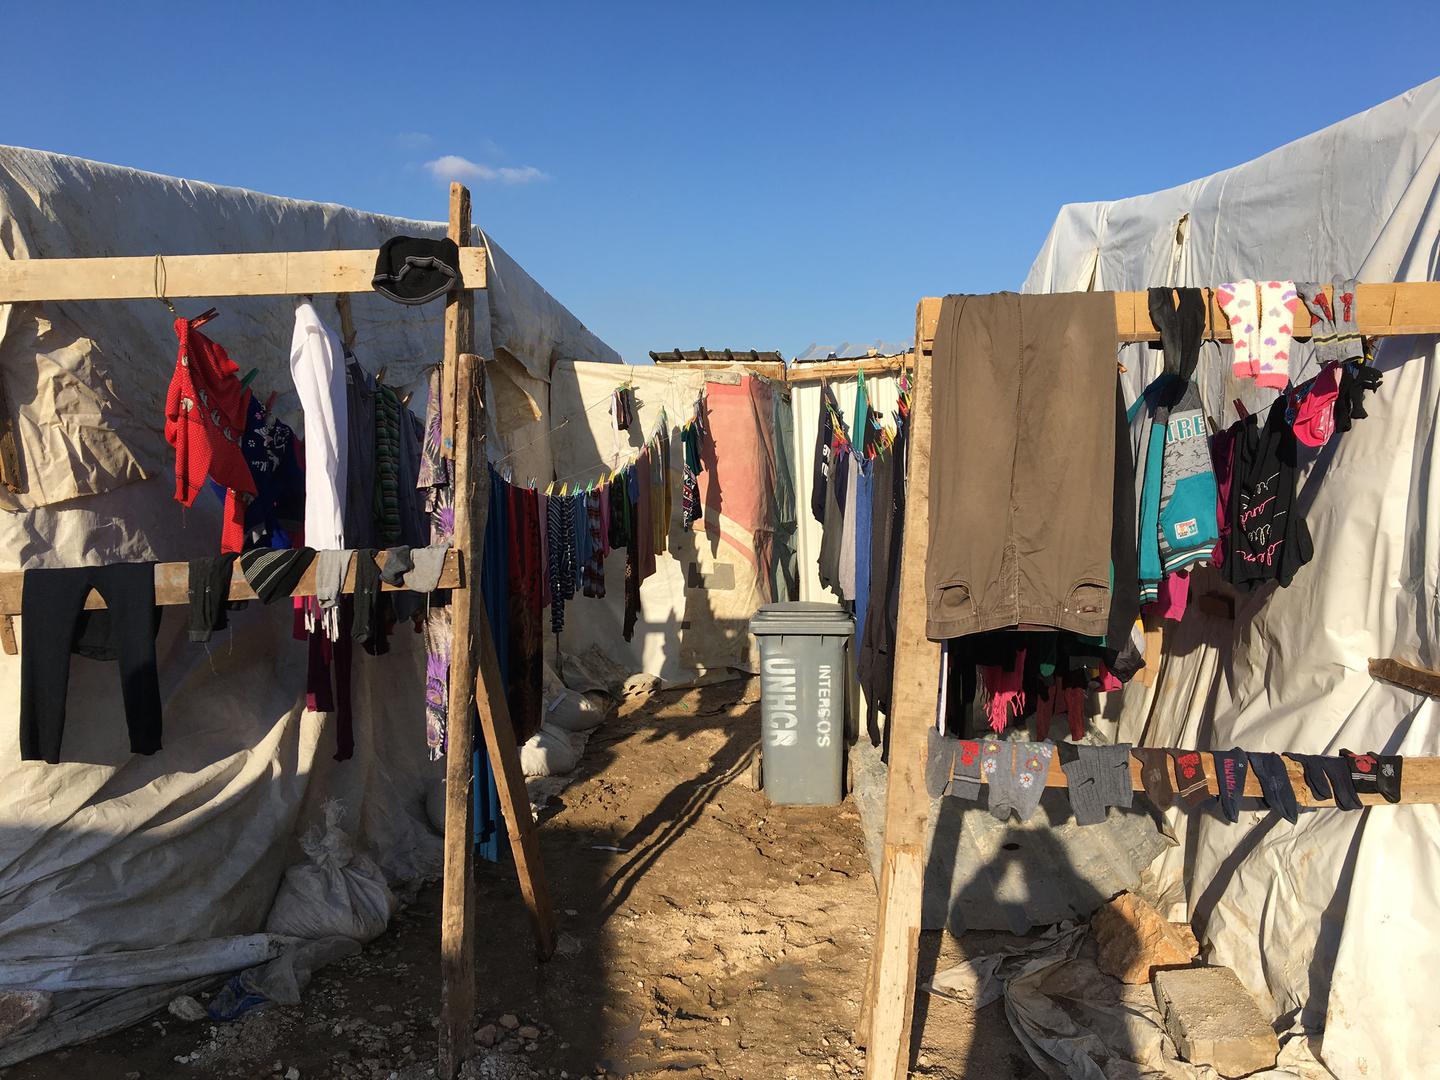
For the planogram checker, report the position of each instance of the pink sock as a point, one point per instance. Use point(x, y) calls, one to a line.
point(1237, 300)
point(1278, 304)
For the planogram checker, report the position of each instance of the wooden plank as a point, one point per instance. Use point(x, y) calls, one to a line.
point(1395, 309)
point(457, 903)
point(459, 323)
point(1419, 781)
point(270, 273)
point(891, 987)
point(9, 446)
point(1421, 680)
point(840, 369)
point(172, 584)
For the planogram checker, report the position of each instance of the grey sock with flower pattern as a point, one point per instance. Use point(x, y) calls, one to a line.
point(1016, 773)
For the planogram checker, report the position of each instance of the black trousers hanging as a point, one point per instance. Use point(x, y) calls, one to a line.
point(50, 605)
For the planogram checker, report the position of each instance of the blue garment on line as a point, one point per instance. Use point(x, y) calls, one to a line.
point(488, 829)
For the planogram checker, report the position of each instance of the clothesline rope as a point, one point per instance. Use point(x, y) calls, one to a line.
point(551, 430)
point(662, 424)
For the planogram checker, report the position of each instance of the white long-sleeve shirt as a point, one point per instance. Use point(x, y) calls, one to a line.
point(317, 364)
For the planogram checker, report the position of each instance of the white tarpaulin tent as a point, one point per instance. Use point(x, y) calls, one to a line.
point(1331, 921)
point(122, 876)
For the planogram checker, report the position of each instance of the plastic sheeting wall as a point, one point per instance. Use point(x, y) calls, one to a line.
point(1330, 921)
point(162, 868)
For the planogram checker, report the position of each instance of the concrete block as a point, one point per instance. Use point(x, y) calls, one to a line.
point(1214, 1020)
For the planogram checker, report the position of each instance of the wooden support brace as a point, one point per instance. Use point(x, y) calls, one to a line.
point(172, 584)
point(499, 731)
point(145, 277)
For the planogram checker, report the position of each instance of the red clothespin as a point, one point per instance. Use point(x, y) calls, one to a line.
point(1240, 409)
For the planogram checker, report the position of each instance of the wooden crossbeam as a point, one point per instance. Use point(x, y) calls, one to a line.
point(840, 369)
point(1394, 309)
point(173, 277)
point(172, 584)
point(1419, 781)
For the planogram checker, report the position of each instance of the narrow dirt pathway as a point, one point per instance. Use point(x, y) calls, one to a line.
point(705, 934)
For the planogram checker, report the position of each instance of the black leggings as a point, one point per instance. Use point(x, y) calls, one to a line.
point(50, 606)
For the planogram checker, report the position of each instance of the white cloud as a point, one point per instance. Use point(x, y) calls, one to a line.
point(412, 140)
point(455, 167)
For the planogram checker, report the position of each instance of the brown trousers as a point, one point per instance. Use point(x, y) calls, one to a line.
point(1022, 463)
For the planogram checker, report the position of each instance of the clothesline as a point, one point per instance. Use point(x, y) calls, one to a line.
point(551, 430)
point(661, 426)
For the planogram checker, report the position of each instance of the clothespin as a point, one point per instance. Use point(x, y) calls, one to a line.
point(1240, 409)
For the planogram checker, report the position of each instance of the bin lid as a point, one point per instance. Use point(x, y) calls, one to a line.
point(802, 617)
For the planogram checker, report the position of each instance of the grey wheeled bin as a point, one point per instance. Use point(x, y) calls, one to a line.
point(802, 700)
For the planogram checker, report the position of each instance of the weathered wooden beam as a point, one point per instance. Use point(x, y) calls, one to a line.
point(1419, 781)
point(457, 903)
point(1393, 309)
point(173, 277)
point(172, 584)
point(459, 324)
point(841, 369)
point(1422, 680)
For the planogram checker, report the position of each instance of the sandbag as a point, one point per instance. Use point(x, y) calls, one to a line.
point(551, 752)
point(338, 893)
point(569, 710)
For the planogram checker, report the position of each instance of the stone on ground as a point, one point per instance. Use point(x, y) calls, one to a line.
point(1135, 939)
point(1214, 1020)
point(22, 1010)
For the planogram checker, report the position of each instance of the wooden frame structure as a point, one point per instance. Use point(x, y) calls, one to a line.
point(475, 684)
point(1394, 310)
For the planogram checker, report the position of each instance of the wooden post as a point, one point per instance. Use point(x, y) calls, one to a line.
point(476, 686)
point(890, 993)
point(459, 327)
point(457, 913)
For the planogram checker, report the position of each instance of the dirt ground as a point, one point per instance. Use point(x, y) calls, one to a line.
point(704, 934)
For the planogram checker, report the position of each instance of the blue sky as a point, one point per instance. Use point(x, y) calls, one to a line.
point(724, 175)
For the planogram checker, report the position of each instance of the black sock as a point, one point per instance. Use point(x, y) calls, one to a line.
point(1230, 770)
point(1364, 771)
point(210, 595)
point(1389, 779)
point(1275, 784)
point(1155, 776)
point(1329, 778)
